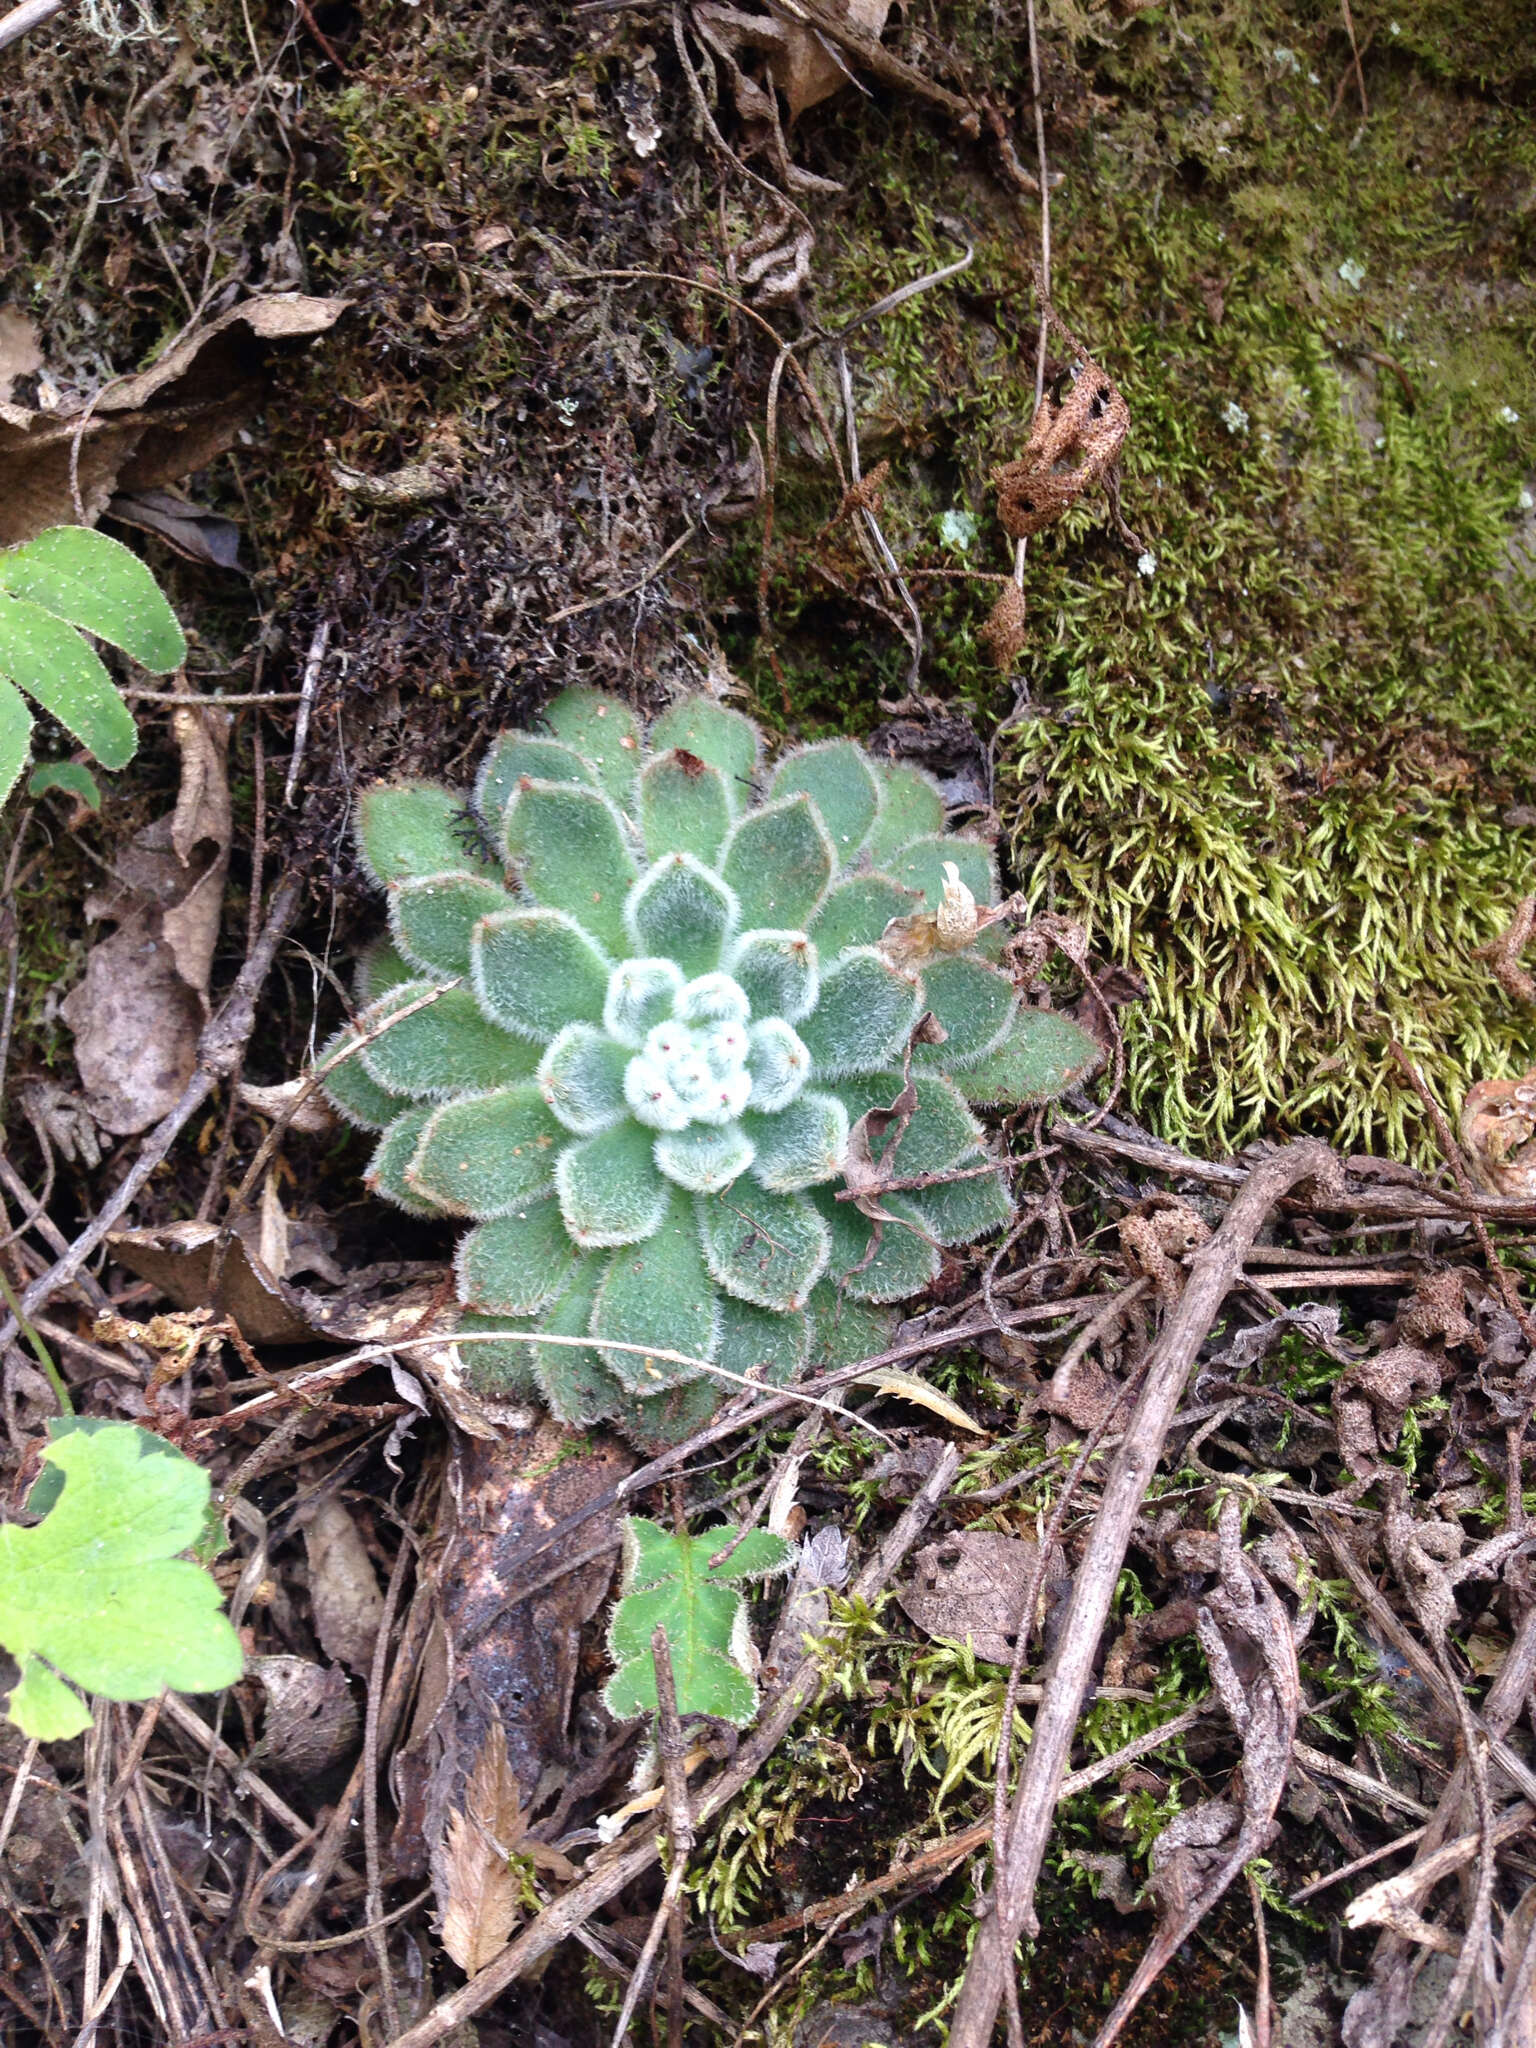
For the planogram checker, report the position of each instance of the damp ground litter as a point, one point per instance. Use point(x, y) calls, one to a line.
point(1120, 413)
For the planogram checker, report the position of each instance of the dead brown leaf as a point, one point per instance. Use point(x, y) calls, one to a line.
point(311, 1720)
point(1074, 446)
point(343, 1586)
point(972, 1587)
point(20, 355)
point(479, 1893)
point(807, 66)
point(1498, 1124)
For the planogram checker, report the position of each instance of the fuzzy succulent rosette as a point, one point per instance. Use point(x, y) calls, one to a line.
point(638, 993)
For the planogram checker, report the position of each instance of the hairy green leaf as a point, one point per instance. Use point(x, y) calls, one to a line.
point(682, 911)
point(904, 1265)
point(516, 754)
point(569, 850)
point(856, 912)
point(611, 1191)
point(975, 1004)
point(910, 808)
point(15, 736)
point(433, 918)
point(958, 1211)
point(780, 1065)
point(778, 973)
point(391, 1160)
point(864, 1016)
point(705, 1157)
point(536, 971)
point(351, 1089)
point(763, 1247)
point(779, 861)
point(658, 1294)
point(723, 738)
point(516, 1264)
point(940, 1130)
point(604, 732)
point(800, 1145)
point(838, 778)
point(1041, 1055)
point(414, 828)
point(482, 1155)
point(572, 1378)
point(445, 1044)
point(683, 807)
point(582, 1075)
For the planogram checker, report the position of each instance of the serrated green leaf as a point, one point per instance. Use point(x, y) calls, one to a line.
point(801, 1145)
point(482, 1155)
point(386, 1174)
point(516, 754)
point(15, 736)
point(1040, 1057)
point(778, 972)
point(433, 917)
point(910, 808)
point(64, 674)
point(863, 1016)
point(837, 777)
point(779, 861)
point(516, 1265)
point(683, 806)
point(404, 829)
point(536, 971)
point(941, 1129)
point(604, 732)
point(351, 1089)
point(681, 911)
point(568, 848)
point(97, 1592)
point(705, 1157)
point(90, 580)
point(582, 1075)
point(69, 778)
point(446, 1045)
point(658, 1294)
point(723, 738)
point(975, 1004)
point(905, 1264)
point(611, 1191)
point(856, 912)
point(763, 1247)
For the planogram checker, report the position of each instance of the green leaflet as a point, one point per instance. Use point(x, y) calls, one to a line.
point(443, 1045)
point(433, 917)
point(352, 1090)
point(536, 971)
point(582, 1075)
point(941, 1129)
point(763, 1247)
point(92, 581)
point(379, 969)
point(481, 1155)
point(610, 1189)
point(604, 732)
point(669, 1582)
point(845, 1331)
point(905, 1264)
point(864, 1016)
point(568, 849)
point(414, 828)
point(920, 865)
point(15, 736)
point(779, 861)
point(838, 778)
point(682, 912)
point(516, 1264)
point(723, 738)
point(705, 1157)
point(391, 1161)
point(96, 1592)
point(1040, 1057)
point(658, 1294)
point(683, 807)
point(502, 1371)
point(958, 1211)
point(65, 674)
point(910, 808)
point(856, 912)
point(571, 1377)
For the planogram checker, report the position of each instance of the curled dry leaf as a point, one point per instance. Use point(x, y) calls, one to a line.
point(141, 1007)
point(1003, 637)
point(1074, 446)
point(311, 1719)
point(479, 1892)
point(1498, 1123)
point(1371, 1398)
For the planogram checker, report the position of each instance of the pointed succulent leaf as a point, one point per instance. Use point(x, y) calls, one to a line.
point(975, 1004)
point(604, 732)
point(379, 969)
point(779, 861)
point(838, 778)
point(1042, 1054)
point(582, 1076)
point(65, 675)
point(682, 911)
point(799, 1146)
point(757, 1343)
point(762, 1247)
point(15, 736)
point(393, 1155)
point(845, 1331)
point(910, 808)
point(514, 755)
point(779, 1063)
point(959, 1211)
point(444, 1045)
point(857, 910)
point(536, 971)
point(515, 1265)
point(610, 1189)
point(433, 917)
point(705, 1157)
point(93, 581)
point(904, 1265)
point(778, 972)
point(940, 1131)
point(863, 1017)
point(568, 848)
point(483, 1155)
point(415, 828)
point(572, 1378)
point(351, 1089)
point(658, 1296)
point(503, 1371)
point(723, 738)
point(639, 996)
point(683, 806)
point(920, 865)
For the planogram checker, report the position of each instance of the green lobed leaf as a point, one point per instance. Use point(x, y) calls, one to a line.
point(704, 1157)
point(432, 918)
point(779, 861)
point(536, 971)
point(514, 755)
point(568, 848)
point(763, 1247)
point(351, 1090)
point(724, 738)
point(799, 1146)
point(516, 1264)
point(975, 1004)
point(15, 736)
point(905, 1264)
point(863, 1016)
point(910, 808)
point(406, 829)
point(482, 1155)
point(940, 1131)
point(445, 1045)
point(658, 1294)
point(582, 1076)
point(856, 912)
point(65, 675)
point(838, 778)
point(681, 911)
point(778, 972)
point(683, 806)
point(611, 1191)
point(604, 732)
point(90, 580)
point(392, 1156)
point(959, 1211)
point(1040, 1057)
point(98, 1592)
point(779, 1063)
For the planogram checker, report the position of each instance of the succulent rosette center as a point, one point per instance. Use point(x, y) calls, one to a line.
point(631, 1048)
